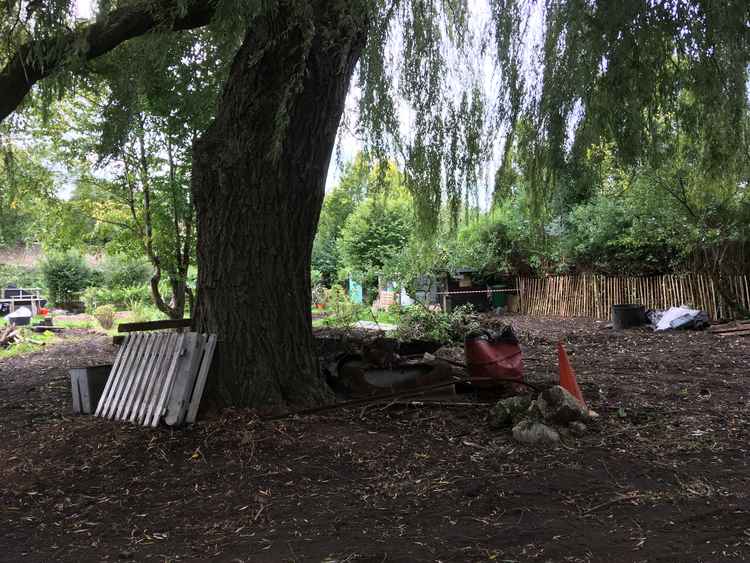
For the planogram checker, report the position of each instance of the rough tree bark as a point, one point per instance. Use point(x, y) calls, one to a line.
point(258, 183)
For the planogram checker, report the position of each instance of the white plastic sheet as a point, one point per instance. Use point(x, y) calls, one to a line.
point(20, 313)
point(681, 317)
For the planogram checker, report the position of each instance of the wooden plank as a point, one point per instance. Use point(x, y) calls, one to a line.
point(138, 375)
point(161, 351)
point(745, 332)
point(156, 379)
point(730, 327)
point(154, 325)
point(110, 380)
point(77, 390)
point(158, 407)
point(136, 350)
point(148, 377)
point(157, 383)
point(200, 381)
point(135, 369)
point(184, 381)
point(127, 352)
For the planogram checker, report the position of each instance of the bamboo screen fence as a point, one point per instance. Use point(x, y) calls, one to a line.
point(593, 296)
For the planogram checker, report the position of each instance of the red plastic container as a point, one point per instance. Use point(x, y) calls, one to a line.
point(493, 357)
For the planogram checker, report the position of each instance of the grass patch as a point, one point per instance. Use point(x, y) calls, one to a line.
point(75, 323)
point(360, 314)
point(32, 342)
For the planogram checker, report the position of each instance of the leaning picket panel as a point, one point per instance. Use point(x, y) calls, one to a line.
point(200, 382)
point(171, 356)
point(116, 367)
point(145, 366)
point(134, 376)
point(107, 401)
point(131, 409)
point(158, 408)
point(184, 381)
point(158, 376)
point(126, 375)
point(164, 350)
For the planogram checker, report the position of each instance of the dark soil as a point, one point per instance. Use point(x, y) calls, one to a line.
point(663, 476)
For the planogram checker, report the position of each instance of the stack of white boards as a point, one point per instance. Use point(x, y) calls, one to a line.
point(158, 376)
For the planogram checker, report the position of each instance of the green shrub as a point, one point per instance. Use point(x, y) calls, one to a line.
point(342, 312)
point(395, 310)
point(124, 271)
point(316, 278)
point(420, 323)
point(65, 276)
point(22, 276)
point(105, 314)
point(121, 298)
point(139, 312)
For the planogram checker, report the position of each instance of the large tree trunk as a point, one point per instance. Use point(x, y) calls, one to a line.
point(258, 181)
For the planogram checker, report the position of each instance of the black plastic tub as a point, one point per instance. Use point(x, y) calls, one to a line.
point(628, 315)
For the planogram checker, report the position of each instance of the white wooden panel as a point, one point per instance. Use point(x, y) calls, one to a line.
point(167, 384)
point(113, 374)
point(163, 351)
point(129, 348)
point(200, 382)
point(137, 374)
point(127, 374)
point(179, 398)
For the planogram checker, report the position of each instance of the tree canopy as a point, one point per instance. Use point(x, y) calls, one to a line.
point(620, 72)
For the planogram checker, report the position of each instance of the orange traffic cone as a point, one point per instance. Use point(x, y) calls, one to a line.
point(567, 376)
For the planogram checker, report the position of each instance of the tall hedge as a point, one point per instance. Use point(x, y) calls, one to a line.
point(66, 275)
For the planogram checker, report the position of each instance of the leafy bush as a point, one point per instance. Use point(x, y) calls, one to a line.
point(141, 312)
point(420, 323)
point(21, 276)
point(316, 278)
point(138, 311)
point(120, 298)
point(377, 231)
point(123, 271)
point(625, 234)
point(342, 312)
point(105, 314)
point(65, 275)
point(89, 296)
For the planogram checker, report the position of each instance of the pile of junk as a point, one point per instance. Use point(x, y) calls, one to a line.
point(488, 371)
point(631, 315)
point(385, 367)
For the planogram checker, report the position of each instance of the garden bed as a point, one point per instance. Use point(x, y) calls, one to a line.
point(663, 476)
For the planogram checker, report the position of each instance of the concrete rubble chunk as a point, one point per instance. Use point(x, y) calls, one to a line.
point(535, 433)
point(509, 411)
point(533, 412)
point(557, 406)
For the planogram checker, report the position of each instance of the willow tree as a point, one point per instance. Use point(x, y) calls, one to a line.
point(259, 169)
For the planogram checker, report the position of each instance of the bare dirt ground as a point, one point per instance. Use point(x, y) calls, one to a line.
point(663, 476)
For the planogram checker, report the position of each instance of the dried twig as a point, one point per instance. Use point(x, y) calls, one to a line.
point(619, 498)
